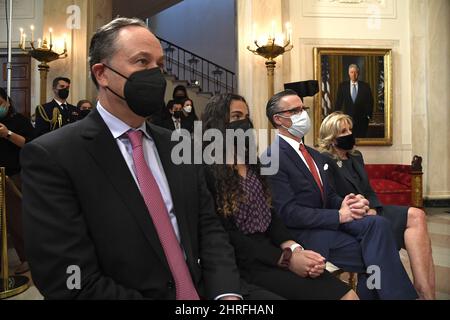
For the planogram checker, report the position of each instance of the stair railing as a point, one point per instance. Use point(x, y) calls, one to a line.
point(199, 72)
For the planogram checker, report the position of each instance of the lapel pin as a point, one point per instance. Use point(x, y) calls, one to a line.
point(339, 163)
point(325, 167)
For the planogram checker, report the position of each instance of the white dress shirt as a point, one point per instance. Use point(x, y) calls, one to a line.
point(60, 103)
point(176, 123)
point(296, 146)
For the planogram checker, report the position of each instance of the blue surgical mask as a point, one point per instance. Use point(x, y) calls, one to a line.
point(3, 111)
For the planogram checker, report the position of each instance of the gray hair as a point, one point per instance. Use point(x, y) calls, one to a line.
point(353, 66)
point(103, 43)
point(273, 106)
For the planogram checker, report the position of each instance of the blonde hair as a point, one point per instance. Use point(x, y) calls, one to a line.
point(330, 129)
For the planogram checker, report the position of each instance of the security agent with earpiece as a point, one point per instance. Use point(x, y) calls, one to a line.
point(58, 112)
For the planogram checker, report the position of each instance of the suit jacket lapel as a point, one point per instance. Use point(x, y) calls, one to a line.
point(361, 172)
point(348, 92)
point(347, 175)
point(320, 165)
point(295, 158)
point(103, 148)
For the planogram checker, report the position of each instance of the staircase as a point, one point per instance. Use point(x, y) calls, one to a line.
point(201, 77)
point(199, 98)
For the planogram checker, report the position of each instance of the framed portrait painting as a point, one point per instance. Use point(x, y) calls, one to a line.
point(357, 82)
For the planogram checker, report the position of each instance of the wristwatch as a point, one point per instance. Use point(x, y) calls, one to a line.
point(295, 246)
point(9, 134)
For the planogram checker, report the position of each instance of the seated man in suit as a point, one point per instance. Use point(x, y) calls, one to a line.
point(57, 113)
point(339, 229)
point(355, 98)
point(107, 214)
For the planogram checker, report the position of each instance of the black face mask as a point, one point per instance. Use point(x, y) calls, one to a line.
point(83, 113)
point(144, 91)
point(177, 114)
point(346, 142)
point(63, 93)
point(244, 124)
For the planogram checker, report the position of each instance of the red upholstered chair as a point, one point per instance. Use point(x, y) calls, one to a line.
point(391, 183)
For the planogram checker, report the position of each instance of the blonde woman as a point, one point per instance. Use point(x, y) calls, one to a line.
point(347, 175)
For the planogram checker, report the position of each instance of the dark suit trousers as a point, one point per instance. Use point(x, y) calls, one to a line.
point(363, 243)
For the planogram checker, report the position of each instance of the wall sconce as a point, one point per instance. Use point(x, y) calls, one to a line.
point(275, 46)
point(43, 52)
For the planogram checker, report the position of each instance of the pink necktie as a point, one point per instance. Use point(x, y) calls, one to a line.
point(155, 204)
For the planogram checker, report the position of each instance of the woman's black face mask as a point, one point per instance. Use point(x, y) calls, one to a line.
point(346, 142)
point(144, 91)
point(244, 124)
point(249, 139)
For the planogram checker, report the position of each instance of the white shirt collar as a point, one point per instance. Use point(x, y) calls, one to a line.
point(117, 127)
point(59, 102)
point(293, 143)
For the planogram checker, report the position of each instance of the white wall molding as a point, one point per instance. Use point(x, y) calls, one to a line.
point(372, 9)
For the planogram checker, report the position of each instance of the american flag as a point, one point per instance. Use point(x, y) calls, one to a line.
point(326, 101)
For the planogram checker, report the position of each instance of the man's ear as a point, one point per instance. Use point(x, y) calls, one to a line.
point(98, 70)
point(276, 119)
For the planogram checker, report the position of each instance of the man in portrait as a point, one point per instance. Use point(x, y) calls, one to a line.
point(355, 98)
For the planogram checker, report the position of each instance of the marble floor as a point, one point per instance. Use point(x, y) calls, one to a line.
point(438, 227)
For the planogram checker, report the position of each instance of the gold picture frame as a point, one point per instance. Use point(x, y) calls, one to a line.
point(331, 69)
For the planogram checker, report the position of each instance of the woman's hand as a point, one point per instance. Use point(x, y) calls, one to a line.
point(3, 131)
point(307, 263)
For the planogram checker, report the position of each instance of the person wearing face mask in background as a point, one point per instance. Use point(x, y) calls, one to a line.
point(182, 116)
point(104, 195)
point(178, 96)
point(58, 112)
point(189, 110)
point(347, 175)
point(15, 131)
point(337, 228)
point(84, 108)
point(266, 253)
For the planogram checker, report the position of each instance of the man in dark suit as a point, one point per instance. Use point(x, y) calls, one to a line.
point(355, 98)
point(337, 228)
point(179, 119)
point(107, 213)
point(58, 112)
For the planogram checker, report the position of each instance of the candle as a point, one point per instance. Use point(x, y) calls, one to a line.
point(51, 38)
point(65, 43)
point(273, 29)
point(24, 45)
point(288, 31)
point(254, 31)
point(32, 33)
point(39, 43)
point(21, 36)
